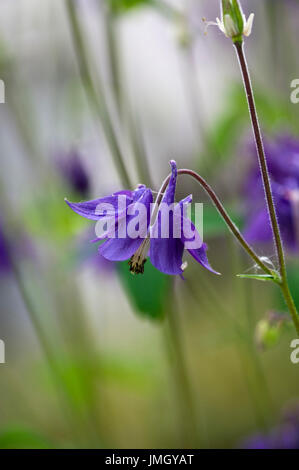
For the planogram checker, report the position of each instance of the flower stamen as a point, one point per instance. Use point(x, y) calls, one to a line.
point(138, 260)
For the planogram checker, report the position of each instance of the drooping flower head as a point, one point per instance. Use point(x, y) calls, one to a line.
point(233, 22)
point(133, 228)
point(283, 162)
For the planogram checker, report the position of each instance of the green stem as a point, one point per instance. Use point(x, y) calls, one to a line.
point(267, 184)
point(290, 304)
point(222, 211)
point(187, 401)
point(99, 104)
point(261, 155)
point(122, 102)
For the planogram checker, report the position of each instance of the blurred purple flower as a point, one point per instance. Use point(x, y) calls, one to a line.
point(165, 252)
point(283, 436)
point(20, 248)
point(5, 260)
point(283, 162)
point(73, 172)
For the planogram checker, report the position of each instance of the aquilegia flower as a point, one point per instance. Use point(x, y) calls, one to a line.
point(5, 260)
point(283, 163)
point(133, 228)
point(73, 171)
point(283, 436)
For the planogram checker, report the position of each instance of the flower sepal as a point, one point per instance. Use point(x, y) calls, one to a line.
point(233, 23)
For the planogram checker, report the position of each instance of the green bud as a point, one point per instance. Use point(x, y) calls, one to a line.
point(233, 22)
point(269, 329)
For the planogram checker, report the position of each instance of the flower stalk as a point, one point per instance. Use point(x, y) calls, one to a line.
point(267, 184)
point(97, 103)
point(222, 211)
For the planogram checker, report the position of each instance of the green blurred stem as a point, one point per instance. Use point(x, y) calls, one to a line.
point(187, 401)
point(267, 184)
point(99, 104)
point(222, 211)
point(122, 102)
point(259, 390)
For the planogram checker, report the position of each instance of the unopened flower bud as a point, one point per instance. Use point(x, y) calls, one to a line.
point(233, 22)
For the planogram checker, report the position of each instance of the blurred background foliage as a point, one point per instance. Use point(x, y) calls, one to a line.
point(100, 94)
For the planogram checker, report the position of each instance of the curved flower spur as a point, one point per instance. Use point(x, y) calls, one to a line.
point(133, 228)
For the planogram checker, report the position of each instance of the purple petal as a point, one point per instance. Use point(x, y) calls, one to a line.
point(119, 249)
point(88, 209)
point(167, 255)
point(190, 234)
point(200, 256)
point(169, 195)
point(122, 248)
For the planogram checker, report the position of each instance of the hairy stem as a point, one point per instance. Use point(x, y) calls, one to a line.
point(267, 184)
point(261, 157)
point(222, 211)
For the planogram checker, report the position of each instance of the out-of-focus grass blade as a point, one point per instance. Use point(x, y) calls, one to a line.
point(19, 438)
point(123, 6)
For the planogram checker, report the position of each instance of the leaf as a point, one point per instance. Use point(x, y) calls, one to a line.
point(259, 277)
point(148, 291)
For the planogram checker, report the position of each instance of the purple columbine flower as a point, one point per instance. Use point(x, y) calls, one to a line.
point(283, 163)
point(5, 260)
point(284, 436)
point(73, 172)
point(165, 252)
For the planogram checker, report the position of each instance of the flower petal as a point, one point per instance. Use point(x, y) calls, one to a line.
point(123, 246)
point(88, 209)
point(119, 249)
point(200, 256)
point(191, 236)
point(248, 25)
point(169, 195)
point(167, 255)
